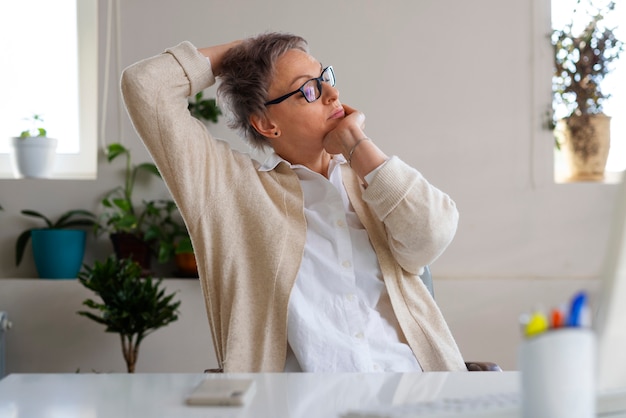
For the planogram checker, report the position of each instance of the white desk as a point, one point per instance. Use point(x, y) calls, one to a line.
point(294, 395)
point(278, 395)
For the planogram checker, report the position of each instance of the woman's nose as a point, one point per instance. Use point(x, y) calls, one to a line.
point(329, 93)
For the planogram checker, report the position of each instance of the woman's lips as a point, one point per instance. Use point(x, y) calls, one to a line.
point(337, 114)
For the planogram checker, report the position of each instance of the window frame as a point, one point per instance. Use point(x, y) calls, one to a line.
point(543, 57)
point(81, 165)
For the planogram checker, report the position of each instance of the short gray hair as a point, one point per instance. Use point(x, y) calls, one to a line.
point(247, 72)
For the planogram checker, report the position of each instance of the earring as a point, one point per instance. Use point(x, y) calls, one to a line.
point(275, 133)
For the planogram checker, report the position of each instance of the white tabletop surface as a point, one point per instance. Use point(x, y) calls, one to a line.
point(278, 395)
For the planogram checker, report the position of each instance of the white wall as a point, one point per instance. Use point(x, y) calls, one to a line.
point(458, 89)
point(49, 336)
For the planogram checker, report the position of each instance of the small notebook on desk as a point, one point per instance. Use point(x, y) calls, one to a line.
point(611, 336)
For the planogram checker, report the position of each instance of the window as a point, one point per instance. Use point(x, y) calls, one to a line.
point(50, 68)
point(614, 83)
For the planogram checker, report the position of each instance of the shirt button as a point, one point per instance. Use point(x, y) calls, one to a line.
point(340, 223)
point(359, 335)
point(351, 297)
point(347, 264)
point(376, 367)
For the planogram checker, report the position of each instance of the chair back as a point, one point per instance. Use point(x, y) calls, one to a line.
point(427, 278)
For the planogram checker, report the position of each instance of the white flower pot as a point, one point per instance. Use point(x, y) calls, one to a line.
point(33, 157)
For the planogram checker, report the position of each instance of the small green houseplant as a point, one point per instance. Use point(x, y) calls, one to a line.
point(33, 152)
point(583, 55)
point(169, 237)
point(124, 220)
point(123, 215)
point(204, 109)
point(185, 256)
point(132, 306)
point(151, 229)
point(37, 129)
point(59, 246)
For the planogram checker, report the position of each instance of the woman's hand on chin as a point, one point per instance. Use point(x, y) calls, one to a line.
point(346, 133)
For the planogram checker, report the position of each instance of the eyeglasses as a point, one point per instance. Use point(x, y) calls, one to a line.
point(312, 89)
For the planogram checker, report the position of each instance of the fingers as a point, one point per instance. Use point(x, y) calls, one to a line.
point(348, 109)
point(358, 115)
point(216, 53)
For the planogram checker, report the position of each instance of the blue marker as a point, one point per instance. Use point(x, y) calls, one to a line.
point(577, 314)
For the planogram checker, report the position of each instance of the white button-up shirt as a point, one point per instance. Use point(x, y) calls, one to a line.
point(340, 317)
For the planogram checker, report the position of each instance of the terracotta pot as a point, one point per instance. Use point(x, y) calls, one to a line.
point(585, 142)
point(186, 264)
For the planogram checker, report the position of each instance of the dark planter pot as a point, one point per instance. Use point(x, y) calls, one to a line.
point(186, 264)
point(131, 246)
point(58, 253)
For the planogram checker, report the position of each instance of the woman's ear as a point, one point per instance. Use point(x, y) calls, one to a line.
point(263, 125)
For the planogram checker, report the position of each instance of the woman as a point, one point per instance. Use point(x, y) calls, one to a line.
point(309, 261)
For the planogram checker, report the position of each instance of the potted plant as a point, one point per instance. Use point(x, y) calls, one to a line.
point(168, 236)
point(583, 56)
point(125, 221)
point(33, 152)
point(185, 257)
point(132, 305)
point(58, 247)
point(141, 232)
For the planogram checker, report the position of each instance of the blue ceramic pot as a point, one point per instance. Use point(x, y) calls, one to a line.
point(58, 253)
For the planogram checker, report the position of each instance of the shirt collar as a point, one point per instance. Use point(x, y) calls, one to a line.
point(274, 159)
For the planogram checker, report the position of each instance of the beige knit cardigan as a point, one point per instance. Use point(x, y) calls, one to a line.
point(248, 227)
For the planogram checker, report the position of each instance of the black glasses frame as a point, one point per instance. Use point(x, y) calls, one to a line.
point(319, 81)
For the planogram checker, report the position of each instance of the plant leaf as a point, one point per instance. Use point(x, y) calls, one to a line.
point(114, 150)
point(149, 167)
point(20, 246)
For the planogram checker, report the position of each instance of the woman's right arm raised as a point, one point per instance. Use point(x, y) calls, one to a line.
point(215, 54)
point(156, 91)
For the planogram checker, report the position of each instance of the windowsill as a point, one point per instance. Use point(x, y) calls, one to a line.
point(610, 177)
point(57, 176)
point(67, 167)
point(561, 173)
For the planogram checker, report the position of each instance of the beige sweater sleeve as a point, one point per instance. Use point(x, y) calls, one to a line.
point(420, 220)
point(156, 91)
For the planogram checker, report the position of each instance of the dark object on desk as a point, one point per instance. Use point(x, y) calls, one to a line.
point(472, 366)
point(482, 366)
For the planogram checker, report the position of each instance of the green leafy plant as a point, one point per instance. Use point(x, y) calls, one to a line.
point(70, 219)
point(121, 214)
point(37, 128)
point(582, 59)
point(155, 222)
point(165, 230)
point(183, 245)
point(204, 109)
point(132, 306)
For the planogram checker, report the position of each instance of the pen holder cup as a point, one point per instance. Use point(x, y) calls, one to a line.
point(558, 369)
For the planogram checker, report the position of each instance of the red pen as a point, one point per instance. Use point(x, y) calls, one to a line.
point(557, 318)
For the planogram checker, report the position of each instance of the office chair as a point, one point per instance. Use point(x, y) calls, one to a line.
point(472, 366)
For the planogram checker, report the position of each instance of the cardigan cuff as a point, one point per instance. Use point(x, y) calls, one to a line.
point(196, 66)
point(391, 183)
